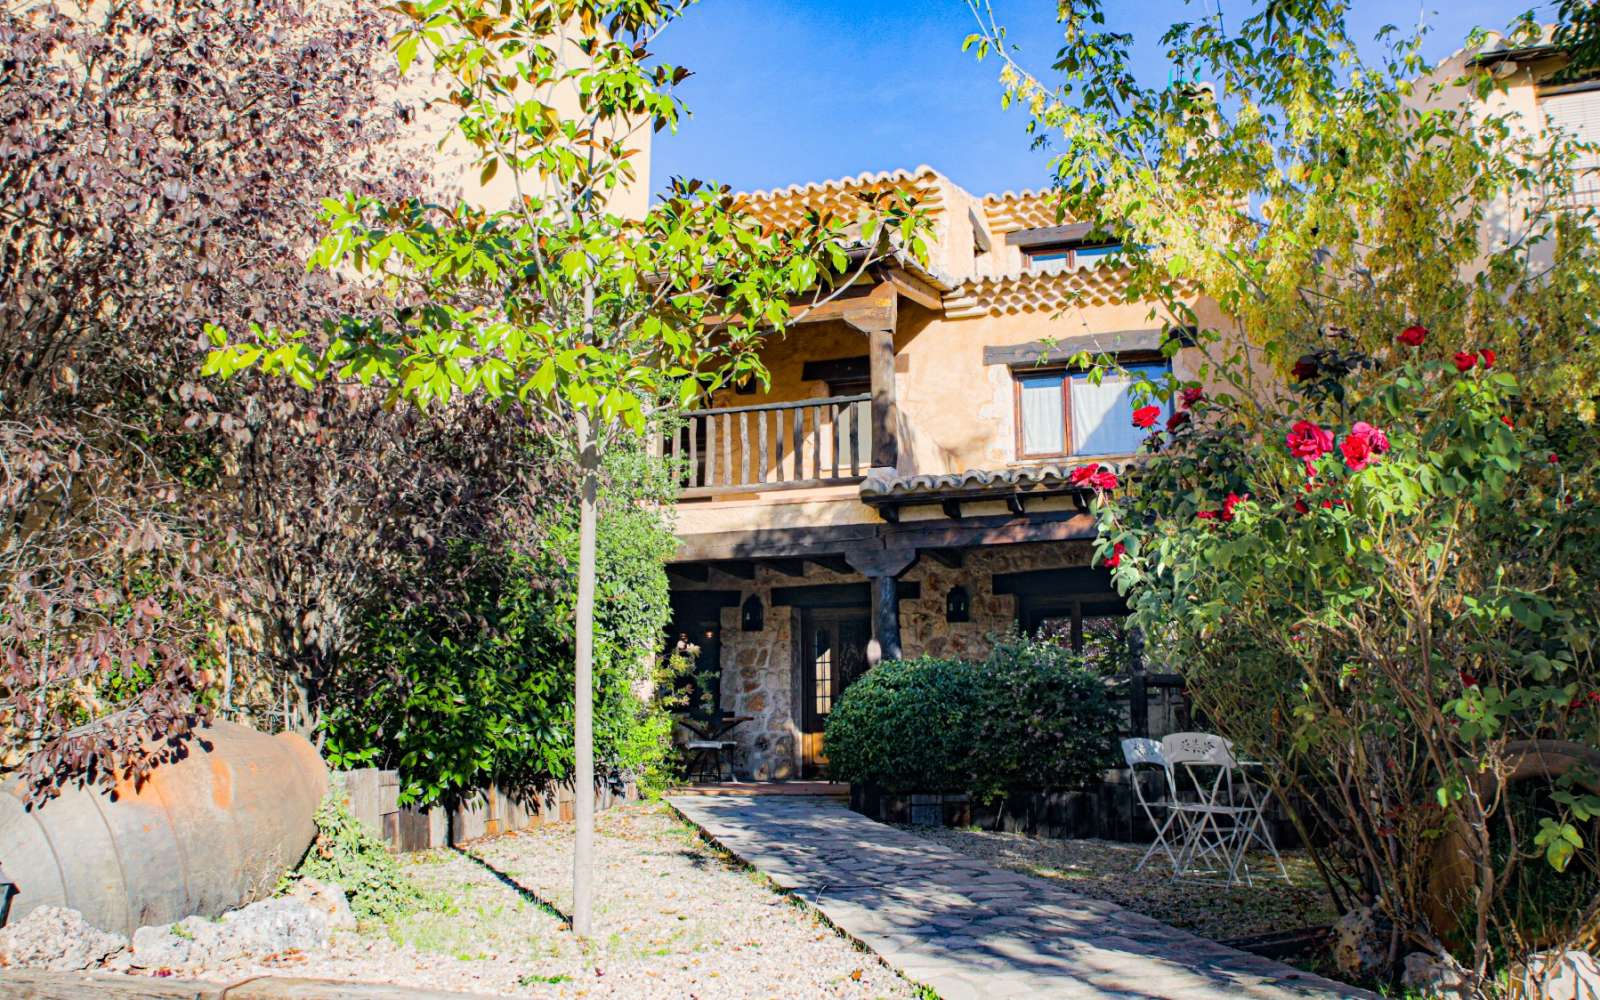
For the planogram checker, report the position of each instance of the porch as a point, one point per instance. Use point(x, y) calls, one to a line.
point(785, 621)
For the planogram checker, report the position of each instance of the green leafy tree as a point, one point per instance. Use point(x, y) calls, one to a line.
point(558, 302)
point(1368, 539)
point(475, 690)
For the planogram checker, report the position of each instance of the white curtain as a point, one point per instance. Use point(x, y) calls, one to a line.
point(1102, 417)
point(1043, 426)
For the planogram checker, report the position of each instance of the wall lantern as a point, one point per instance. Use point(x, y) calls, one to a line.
point(751, 618)
point(957, 605)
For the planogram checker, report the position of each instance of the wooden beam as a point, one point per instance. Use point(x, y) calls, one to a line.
point(879, 325)
point(980, 232)
point(881, 562)
point(947, 557)
point(786, 567)
point(1055, 352)
point(739, 569)
point(837, 595)
point(835, 564)
point(835, 369)
point(1074, 581)
point(1015, 504)
point(1073, 232)
point(1014, 531)
point(692, 602)
point(952, 509)
point(843, 308)
point(889, 512)
point(825, 543)
point(915, 289)
point(693, 572)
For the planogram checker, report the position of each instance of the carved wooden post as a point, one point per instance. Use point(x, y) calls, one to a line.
point(886, 617)
point(880, 567)
point(876, 318)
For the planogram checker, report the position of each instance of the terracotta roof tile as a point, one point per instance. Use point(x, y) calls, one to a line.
point(1052, 477)
point(1037, 291)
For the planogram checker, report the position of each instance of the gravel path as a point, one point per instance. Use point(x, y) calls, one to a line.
point(1103, 869)
point(674, 918)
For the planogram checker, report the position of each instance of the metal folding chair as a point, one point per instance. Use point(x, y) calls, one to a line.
point(1228, 811)
point(1145, 752)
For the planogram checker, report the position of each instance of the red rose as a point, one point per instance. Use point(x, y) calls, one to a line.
point(1145, 416)
point(1115, 558)
point(1206, 515)
point(1192, 396)
point(1465, 362)
point(1508, 422)
point(1308, 441)
point(1467, 680)
point(1487, 354)
point(1304, 370)
point(1233, 500)
point(1361, 444)
point(1093, 475)
point(1178, 419)
point(1357, 452)
point(1300, 505)
point(1377, 438)
point(1413, 336)
point(1554, 458)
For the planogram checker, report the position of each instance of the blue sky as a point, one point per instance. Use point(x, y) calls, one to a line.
point(787, 91)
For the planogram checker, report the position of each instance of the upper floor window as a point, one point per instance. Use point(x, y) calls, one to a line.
point(1065, 256)
point(1062, 413)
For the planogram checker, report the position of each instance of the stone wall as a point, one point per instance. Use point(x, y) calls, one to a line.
point(760, 675)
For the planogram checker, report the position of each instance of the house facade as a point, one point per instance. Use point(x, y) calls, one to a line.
point(903, 485)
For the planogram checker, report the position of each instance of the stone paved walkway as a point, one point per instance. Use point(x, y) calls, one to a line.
point(967, 929)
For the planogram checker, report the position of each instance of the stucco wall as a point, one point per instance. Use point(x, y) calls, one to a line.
point(955, 412)
point(760, 677)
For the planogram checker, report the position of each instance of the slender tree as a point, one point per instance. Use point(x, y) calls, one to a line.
point(559, 302)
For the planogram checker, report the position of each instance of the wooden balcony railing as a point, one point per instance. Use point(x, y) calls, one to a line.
point(774, 446)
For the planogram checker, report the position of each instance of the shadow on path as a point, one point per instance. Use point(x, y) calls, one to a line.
point(526, 893)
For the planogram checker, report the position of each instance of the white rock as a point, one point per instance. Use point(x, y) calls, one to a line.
point(327, 898)
point(265, 928)
point(1554, 975)
point(58, 939)
point(1436, 976)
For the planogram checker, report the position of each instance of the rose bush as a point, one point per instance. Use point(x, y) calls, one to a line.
point(1385, 601)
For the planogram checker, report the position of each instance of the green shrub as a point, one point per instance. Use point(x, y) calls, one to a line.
point(906, 726)
point(1044, 720)
point(346, 854)
point(480, 691)
point(1030, 715)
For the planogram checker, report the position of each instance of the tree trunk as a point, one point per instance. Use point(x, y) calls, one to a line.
point(583, 708)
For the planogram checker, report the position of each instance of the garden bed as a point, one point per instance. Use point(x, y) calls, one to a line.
point(673, 918)
point(1104, 870)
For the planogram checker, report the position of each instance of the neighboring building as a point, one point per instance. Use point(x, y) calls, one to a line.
point(903, 486)
point(1540, 90)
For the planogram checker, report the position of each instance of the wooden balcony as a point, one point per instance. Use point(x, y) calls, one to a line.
point(795, 445)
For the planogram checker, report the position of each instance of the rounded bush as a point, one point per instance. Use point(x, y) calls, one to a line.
point(1029, 716)
point(905, 726)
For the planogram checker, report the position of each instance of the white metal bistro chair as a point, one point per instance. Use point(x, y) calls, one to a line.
point(1137, 752)
point(1227, 812)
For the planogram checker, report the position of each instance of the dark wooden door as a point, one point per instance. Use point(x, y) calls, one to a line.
point(833, 654)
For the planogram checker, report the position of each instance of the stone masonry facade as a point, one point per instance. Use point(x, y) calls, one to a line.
point(760, 671)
